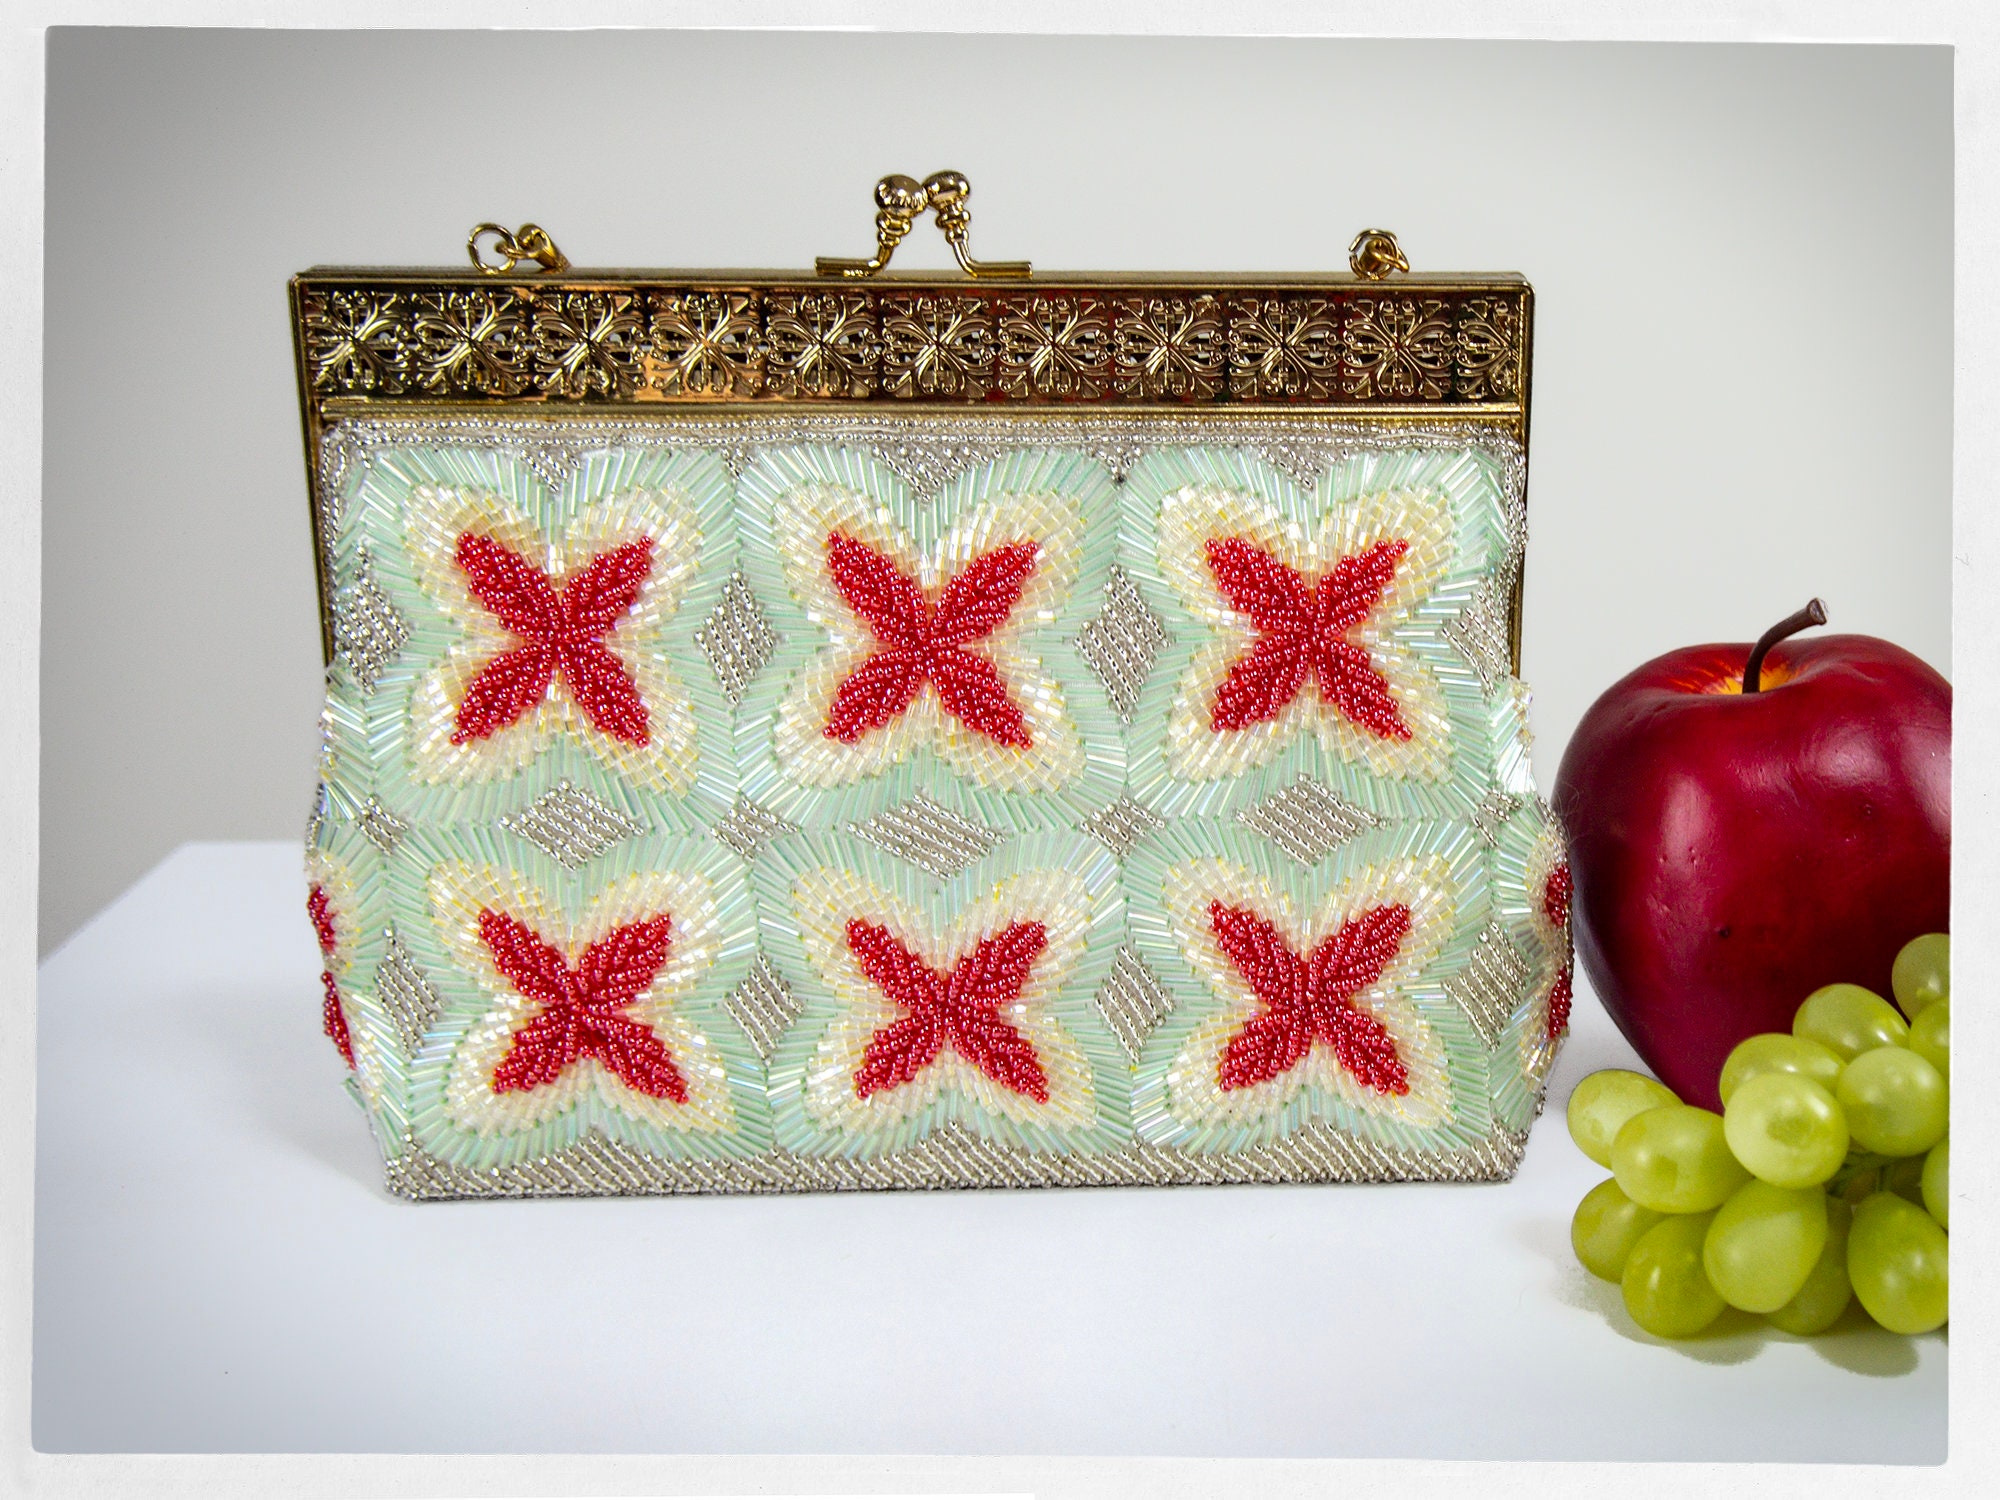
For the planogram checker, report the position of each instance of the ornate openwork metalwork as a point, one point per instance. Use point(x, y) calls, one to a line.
point(572, 338)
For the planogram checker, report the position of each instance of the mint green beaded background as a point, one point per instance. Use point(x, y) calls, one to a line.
point(765, 803)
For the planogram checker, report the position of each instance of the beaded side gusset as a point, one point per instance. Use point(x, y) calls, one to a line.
point(342, 904)
point(742, 804)
point(333, 1015)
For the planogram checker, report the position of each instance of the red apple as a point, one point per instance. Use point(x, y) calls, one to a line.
point(1739, 837)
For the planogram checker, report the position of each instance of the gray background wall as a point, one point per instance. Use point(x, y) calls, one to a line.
point(1742, 257)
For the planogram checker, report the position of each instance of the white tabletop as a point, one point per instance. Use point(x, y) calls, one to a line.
point(217, 1268)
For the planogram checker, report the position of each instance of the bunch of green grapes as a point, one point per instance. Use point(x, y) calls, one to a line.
point(1823, 1180)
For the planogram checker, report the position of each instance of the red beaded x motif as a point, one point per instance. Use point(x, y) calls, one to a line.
point(332, 1017)
point(561, 636)
point(959, 1009)
point(1310, 999)
point(1303, 630)
point(1555, 907)
point(923, 642)
point(583, 1008)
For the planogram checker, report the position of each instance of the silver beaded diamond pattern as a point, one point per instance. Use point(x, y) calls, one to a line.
point(1301, 461)
point(736, 638)
point(1494, 809)
point(1121, 643)
point(763, 1006)
point(929, 463)
point(750, 826)
point(570, 825)
point(929, 835)
point(1122, 824)
point(1132, 1001)
point(379, 826)
point(1491, 983)
point(366, 626)
point(1479, 634)
point(405, 994)
point(1307, 820)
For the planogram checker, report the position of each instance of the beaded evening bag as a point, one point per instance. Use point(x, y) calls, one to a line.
point(848, 731)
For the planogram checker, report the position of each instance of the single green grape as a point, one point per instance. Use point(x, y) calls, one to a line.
point(1827, 1291)
point(1786, 1129)
point(1930, 1037)
point(1764, 1243)
point(1666, 1290)
point(1777, 1052)
point(1921, 975)
point(1849, 1020)
point(1676, 1160)
point(1900, 1263)
point(1601, 1104)
point(1896, 1103)
point(1606, 1227)
point(1937, 1182)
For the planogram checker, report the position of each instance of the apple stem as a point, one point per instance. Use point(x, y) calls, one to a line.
point(1813, 614)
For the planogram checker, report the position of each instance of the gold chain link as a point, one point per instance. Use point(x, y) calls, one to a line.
point(530, 242)
point(1374, 254)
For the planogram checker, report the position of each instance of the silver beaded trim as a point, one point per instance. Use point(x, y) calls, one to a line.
point(953, 1157)
point(570, 825)
point(930, 448)
point(928, 835)
point(928, 463)
point(1514, 516)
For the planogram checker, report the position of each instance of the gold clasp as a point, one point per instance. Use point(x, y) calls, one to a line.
point(1374, 254)
point(529, 242)
point(900, 201)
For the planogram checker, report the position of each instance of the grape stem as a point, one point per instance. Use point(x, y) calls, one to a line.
point(1858, 1164)
point(1813, 614)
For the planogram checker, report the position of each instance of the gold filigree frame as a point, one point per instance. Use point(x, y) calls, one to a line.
point(1430, 350)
